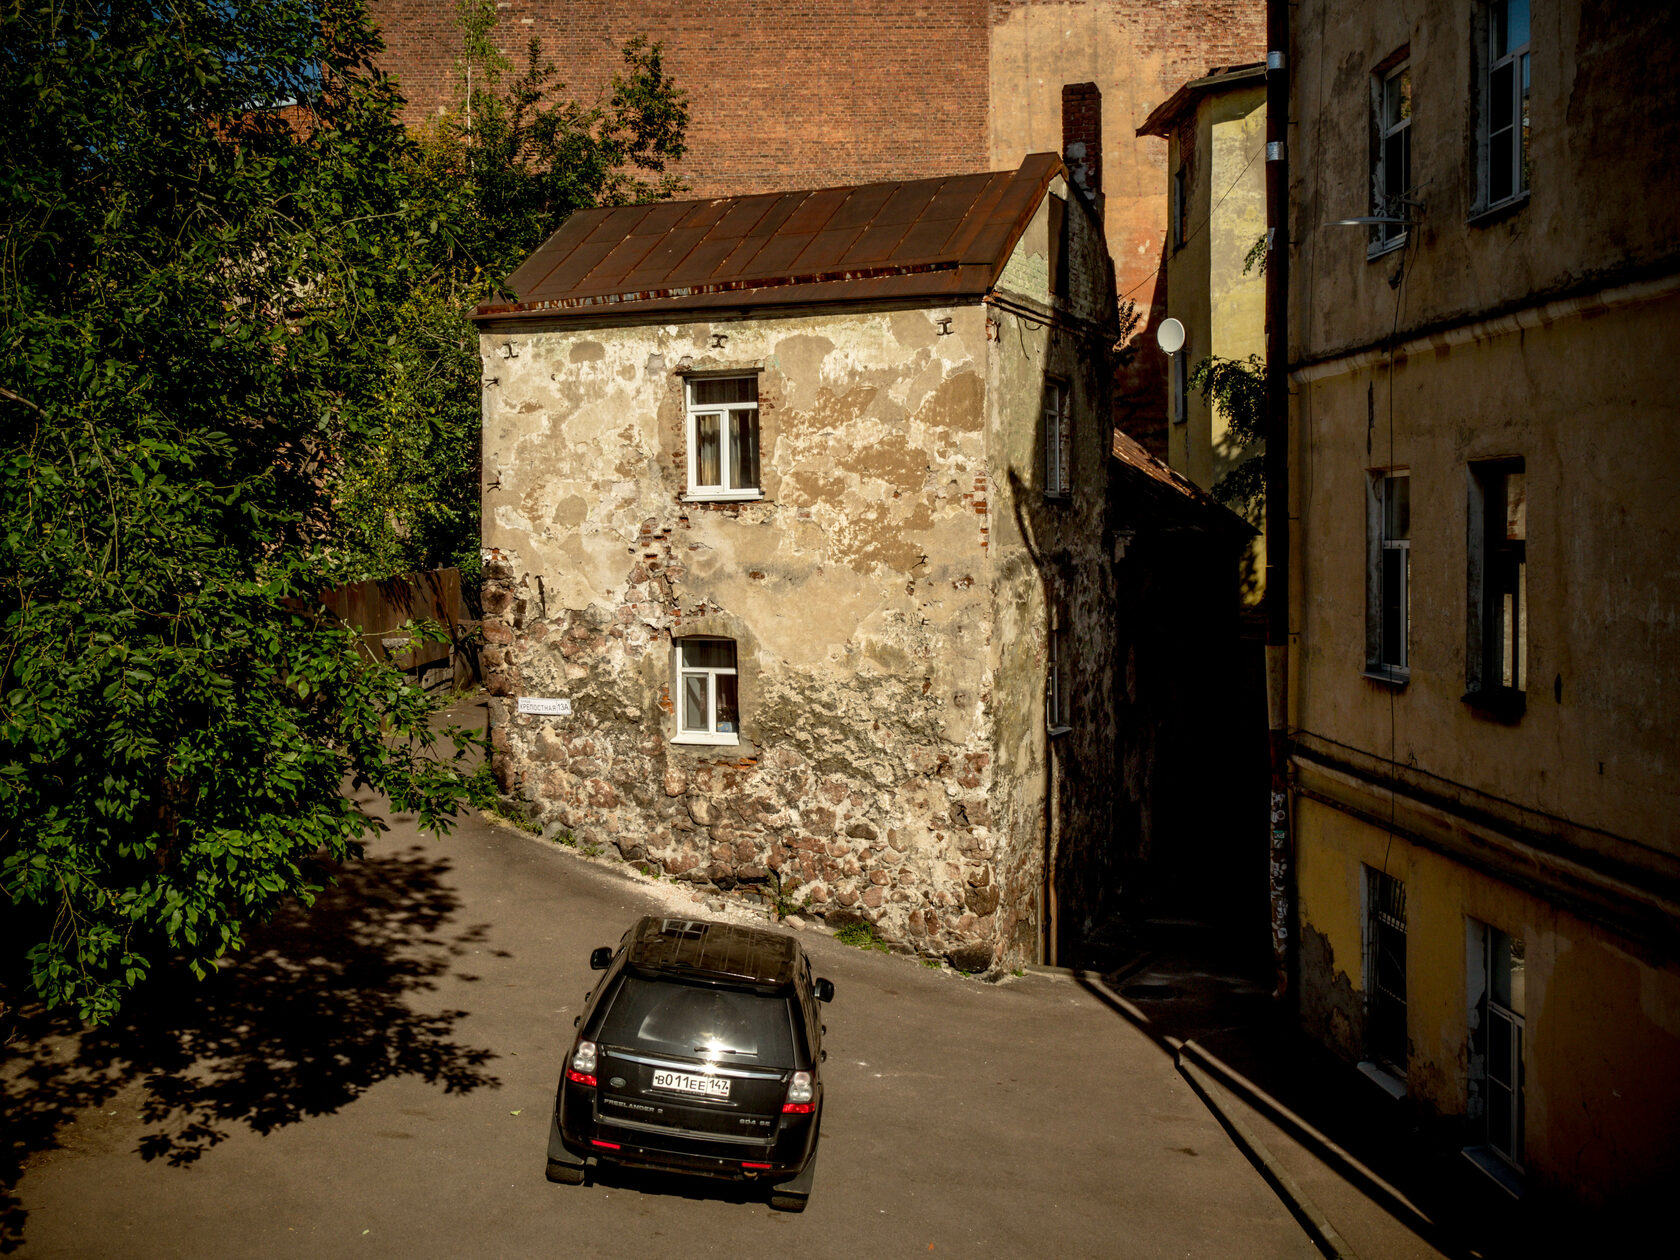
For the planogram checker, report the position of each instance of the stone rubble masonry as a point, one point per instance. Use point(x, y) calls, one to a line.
point(887, 597)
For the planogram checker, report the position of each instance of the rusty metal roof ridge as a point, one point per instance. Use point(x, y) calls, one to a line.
point(722, 286)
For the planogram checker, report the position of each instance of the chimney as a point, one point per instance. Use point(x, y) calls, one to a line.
point(1082, 136)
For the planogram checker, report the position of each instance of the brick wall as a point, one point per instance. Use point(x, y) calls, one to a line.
point(781, 96)
point(819, 92)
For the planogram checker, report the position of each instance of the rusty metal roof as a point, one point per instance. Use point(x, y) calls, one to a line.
point(944, 239)
point(1156, 495)
point(1165, 116)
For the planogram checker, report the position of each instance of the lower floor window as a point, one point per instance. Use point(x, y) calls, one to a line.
point(1496, 1043)
point(1385, 971)
point(708, 693)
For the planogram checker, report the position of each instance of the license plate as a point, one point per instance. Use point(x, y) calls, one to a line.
point(692, 1083)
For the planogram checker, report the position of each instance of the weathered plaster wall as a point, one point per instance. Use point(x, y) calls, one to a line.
point(1222, 307)
point(1054, 793)
point(1588, 404)
point(857, 591)
point(1602, 1025)
point(1599, 111)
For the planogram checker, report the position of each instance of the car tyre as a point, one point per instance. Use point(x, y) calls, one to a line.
point(565, 1174)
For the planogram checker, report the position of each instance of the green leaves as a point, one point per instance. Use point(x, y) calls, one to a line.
point(179, 306)
point(1237, 388)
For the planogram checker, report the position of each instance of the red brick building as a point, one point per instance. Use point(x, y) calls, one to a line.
point(830, 92)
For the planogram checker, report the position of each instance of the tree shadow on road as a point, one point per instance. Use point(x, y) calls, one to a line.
point(319, 1007)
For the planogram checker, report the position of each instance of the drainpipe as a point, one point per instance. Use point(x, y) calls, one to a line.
point(1277, 489)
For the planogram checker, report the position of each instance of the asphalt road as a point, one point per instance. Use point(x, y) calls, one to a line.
point(376, 1081)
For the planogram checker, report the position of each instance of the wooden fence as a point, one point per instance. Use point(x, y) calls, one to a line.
point(379, 609)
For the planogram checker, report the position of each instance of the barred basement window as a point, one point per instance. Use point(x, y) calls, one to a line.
point(723, 438)
point(708, 692)
point(1385, 971)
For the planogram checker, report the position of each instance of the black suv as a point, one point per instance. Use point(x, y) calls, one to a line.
point(699, 1051)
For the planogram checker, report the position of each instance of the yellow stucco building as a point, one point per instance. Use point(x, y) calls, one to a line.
point(1215, 129)
point(1484, 322)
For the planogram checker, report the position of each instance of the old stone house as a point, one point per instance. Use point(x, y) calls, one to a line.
point(800, 505)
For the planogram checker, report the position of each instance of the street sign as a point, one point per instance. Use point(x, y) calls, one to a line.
point(544, 706)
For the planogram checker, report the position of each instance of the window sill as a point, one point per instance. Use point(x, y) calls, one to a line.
point(1497, 1170)
point(1383, 1079)
point(1493, 214)
point(699, 740)
point(1388, 675)
point(1058, 730)
point(722, 496)
point(1374, 252)
point(1065, 497)
point(1502, 704)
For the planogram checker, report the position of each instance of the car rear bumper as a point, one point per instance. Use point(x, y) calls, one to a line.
point(585, 1135)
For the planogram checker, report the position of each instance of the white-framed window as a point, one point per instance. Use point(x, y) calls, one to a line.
point(1497, 982)
point(1058, 439)
point(1385, 971)
point(708, 691)
point(723, 437)
point(1388, 574)
point(1496, 656)
point(1058, 683)
point(1391, 154)
point(1505, 98)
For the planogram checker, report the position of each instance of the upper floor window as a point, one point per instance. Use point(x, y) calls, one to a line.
point(1388, 575)
point(1391, 154)
point(708, 692)
point(1497, 548)
point(1058, 439)
point(723, 438)
point(1505, 104)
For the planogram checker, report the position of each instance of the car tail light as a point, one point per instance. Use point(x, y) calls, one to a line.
point(744, 1164)
point(580, 1078)
point(801, 1090)
point(611, 1146)
point(583, 1058)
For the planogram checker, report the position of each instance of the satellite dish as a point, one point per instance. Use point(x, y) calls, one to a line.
point(1170, 335)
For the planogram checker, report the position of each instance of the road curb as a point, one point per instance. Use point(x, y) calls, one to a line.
point(1312, 1218)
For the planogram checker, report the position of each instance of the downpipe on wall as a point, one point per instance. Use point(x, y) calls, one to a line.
point(1279, 840)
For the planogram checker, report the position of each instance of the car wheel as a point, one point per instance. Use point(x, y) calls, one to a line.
point(565, 1174)
point(788, 1202)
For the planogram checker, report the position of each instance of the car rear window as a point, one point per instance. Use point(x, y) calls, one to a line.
point(690, 1019)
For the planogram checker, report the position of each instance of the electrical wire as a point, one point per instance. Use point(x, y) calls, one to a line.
point(1200, 227)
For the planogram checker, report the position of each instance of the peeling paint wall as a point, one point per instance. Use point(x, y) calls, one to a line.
point(1542, 331)
point(890, 760)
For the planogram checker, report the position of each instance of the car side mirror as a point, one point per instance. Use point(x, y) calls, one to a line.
point(824, 990)
point(600, 959)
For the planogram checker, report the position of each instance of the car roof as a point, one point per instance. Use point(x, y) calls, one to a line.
point(700, 949)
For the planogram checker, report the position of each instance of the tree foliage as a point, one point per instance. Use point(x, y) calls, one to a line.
point(488, 181)
point(1237, 389)
point(219, 319)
